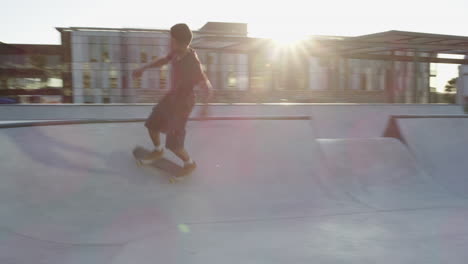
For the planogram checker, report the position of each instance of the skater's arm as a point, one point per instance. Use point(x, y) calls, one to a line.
point(154, 64)
point(157, 63)
point(206, 87)
point(202, 80)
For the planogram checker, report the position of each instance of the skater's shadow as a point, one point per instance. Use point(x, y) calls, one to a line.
point(42, 148)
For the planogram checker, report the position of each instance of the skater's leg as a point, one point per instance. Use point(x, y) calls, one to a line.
point(155, 137)
point(175, 143)
point(183, 155)
point(158, 150)
point(189, 164)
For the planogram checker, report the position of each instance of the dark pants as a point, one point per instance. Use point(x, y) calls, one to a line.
point(170, 116)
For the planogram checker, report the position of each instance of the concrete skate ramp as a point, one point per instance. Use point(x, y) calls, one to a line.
point(440, 144)
point(79, 184)
point(264, 192)
point(383, 174)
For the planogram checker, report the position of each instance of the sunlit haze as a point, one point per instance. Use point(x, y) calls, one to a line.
point(286, 21)
point(33, 21)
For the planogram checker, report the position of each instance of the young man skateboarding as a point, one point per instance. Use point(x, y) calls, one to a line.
point(170, 115)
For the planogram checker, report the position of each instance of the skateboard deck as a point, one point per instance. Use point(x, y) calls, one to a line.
point(175, 171)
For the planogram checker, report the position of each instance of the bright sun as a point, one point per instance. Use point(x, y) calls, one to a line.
point(292, 42)
point(288, 40)
point(283, 35)
point(283, 38)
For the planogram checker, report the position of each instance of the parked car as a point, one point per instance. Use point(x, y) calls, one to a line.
point(8, 100)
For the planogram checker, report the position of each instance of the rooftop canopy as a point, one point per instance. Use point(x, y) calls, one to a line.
point(390, 45)
point(423, 47)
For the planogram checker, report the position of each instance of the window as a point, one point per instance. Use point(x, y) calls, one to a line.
point(55, 82)
point(363, 81)
point(105, 56)
point(232, 80)
point(137, 83)
point(88, 99)
point(113, 79)
point(115, 53)
point(86, 80)
point(38, 61)
point(3, 84)
point(93, 52)
point(12, 83)
point(210, 59)
point(88, 92)
point(25, 83)
point(231, 77)
point(143, 57)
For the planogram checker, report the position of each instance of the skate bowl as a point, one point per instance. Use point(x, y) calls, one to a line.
point(268, 189)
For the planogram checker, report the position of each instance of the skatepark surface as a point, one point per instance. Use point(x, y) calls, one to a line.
point(267, 190)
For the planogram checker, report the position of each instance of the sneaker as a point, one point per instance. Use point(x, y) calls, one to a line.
point(155, 155)
point(188, 168)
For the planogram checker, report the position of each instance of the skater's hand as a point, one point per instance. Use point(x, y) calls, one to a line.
point(204, 111)
point(206, 96)
point(138, 73)
point(207, 92)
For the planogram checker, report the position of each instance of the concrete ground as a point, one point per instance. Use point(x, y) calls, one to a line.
point(329, 189)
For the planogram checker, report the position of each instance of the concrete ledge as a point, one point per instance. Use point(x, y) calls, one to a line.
point(134, 120)
point(393, 130)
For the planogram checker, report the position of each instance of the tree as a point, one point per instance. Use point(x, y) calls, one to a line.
point(451, 85)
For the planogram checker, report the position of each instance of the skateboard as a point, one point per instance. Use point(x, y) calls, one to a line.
point(175, 171)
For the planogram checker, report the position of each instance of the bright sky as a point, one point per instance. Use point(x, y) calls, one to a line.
point(33, 21)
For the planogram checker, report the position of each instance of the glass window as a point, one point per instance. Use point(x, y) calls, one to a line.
point(92, 39)
point(55, 82)
point(363, 81)
point(25, 83)
point(228, 58)
point(210, 59)
point(136, 83)
point(105, 57)
point(143, 57)
point(39, 61)
point(113, 79)
point(232, 79)
point(97, 79)
point(3, 84)
point(115, 53)
point(93, 52)
point(86, 80)
point(88, 99)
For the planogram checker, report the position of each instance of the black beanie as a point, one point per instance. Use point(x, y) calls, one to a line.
point(182, 33)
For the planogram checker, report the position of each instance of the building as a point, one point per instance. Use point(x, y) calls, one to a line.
point(387, 67)
point(101, 62)
point(31, 73)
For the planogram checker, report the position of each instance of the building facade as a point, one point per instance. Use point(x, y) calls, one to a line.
point(94, 65)
point(101, 62)
point(31, 73)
